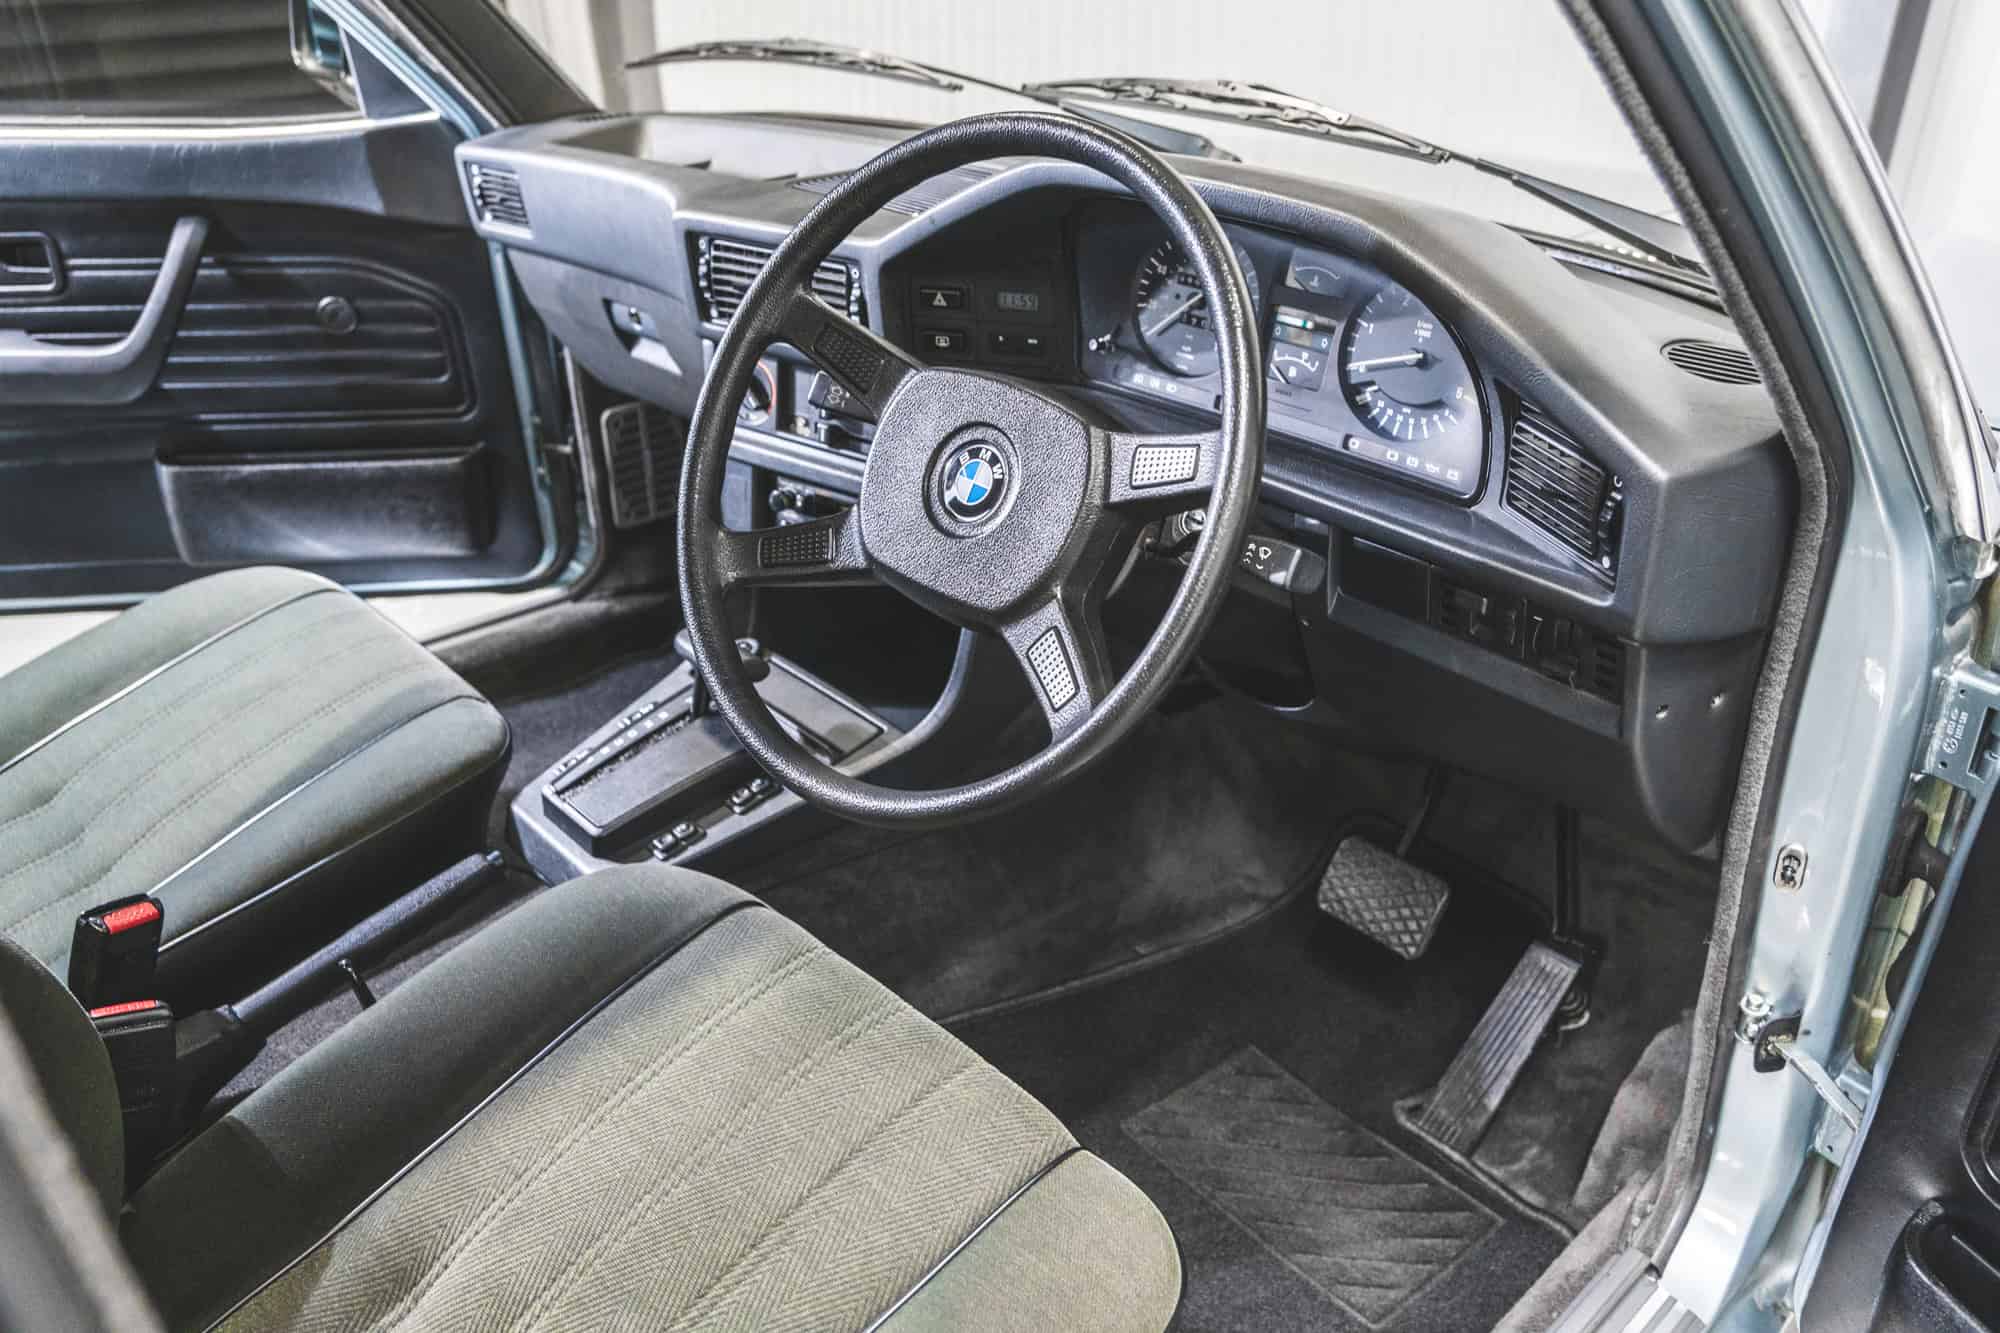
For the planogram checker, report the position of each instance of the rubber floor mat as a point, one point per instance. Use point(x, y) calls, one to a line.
point(1365, 1224)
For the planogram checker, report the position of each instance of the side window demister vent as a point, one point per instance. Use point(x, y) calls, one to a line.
point(1552, 483)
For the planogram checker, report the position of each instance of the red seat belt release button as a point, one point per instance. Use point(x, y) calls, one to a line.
point(115, 950)
point(139, 1037)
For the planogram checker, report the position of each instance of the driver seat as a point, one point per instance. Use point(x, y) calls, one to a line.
point(641, 1099)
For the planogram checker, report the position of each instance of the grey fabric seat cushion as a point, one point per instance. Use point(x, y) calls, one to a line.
point(720, 1124)
point(214, 743)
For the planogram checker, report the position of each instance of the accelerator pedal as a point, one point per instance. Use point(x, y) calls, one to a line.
point(1383, 896)
point(1463, 1103)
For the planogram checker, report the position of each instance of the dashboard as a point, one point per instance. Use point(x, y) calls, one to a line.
point(1524, 501)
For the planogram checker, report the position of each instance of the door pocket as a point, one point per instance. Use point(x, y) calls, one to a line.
point(320, 509)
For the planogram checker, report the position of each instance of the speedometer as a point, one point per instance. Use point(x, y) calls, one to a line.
point(1171, 310)
point(1403, 374)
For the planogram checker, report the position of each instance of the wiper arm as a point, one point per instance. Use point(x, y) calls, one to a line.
point(824, 55)
point(1271, 109)
point(884, 65)
point(1245, 104)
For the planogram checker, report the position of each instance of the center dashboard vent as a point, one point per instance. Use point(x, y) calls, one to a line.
point(496, 193)
point(1713, 361)
point(1554, 485)
point(724, 268)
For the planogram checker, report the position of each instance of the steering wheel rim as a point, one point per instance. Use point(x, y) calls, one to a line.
point(1050, 511)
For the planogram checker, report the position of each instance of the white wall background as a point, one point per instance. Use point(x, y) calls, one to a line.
point(1502, 78)
point(1946, 170)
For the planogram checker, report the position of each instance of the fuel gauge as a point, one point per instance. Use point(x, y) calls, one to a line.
point(1300, 344)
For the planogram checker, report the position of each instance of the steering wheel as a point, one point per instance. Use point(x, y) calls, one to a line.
point(984, 500)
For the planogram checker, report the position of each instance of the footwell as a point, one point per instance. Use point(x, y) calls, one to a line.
point(1364, 1223)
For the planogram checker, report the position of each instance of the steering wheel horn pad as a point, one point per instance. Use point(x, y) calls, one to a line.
point(984, 500)
point(973, 571)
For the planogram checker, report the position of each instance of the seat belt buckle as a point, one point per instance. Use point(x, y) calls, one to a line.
point(139, 1037)
point(114, 951)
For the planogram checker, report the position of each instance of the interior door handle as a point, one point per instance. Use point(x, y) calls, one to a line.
point(33, 371)
point(30, 265)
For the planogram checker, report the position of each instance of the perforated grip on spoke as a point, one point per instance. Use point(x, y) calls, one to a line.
point(799, 545)
point(1052, 669)
point(1164, 464)
point(848, 357)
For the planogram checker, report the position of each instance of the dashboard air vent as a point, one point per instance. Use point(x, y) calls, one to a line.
point(496, 192)
point(1712, 361)
point(1554, 485)
point(724, 268)
point(919, 199)
point(642, 446)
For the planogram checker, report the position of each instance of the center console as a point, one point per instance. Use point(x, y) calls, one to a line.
point(665, 779)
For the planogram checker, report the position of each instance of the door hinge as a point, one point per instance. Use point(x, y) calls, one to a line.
point(1773, 1041)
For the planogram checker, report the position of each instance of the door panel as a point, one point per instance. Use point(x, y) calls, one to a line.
point(337, 392)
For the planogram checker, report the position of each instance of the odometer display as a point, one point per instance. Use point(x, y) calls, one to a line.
point(1171, 312)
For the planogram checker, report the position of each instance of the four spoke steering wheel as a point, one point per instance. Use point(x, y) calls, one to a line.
point(985, 501)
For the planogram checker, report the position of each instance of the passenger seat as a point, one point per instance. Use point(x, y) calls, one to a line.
point(259, 749)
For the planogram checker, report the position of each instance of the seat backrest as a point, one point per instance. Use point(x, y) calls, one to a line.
point(70, 1066)
point(61, 1162)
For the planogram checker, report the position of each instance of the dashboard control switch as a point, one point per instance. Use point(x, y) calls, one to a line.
point(941, 298)
point(942, 342)
point(1270, 559)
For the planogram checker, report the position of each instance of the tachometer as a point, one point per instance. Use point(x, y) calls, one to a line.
point(1403, 374)
point(1171, 311)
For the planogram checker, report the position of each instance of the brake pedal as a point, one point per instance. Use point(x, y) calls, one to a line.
point(1383, 896)
point(1465, 1099)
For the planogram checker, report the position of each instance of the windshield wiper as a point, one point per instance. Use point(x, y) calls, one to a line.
point(1269, 108)
point(884, 65)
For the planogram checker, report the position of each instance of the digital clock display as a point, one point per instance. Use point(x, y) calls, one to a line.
point(1018, 303)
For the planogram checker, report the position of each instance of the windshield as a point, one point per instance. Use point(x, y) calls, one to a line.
point(1506, 80)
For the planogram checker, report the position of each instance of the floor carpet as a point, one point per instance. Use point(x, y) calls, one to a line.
point(1162, 1073)
point(1200, 821)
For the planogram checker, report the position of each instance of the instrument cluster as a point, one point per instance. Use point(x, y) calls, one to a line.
point(1356, 364)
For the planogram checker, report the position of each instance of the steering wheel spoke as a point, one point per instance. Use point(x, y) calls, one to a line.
point(1159, 474)
point(1060, 647)
point(867, 367)
point(821, 553)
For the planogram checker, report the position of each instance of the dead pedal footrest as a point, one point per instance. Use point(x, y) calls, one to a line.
point(1463, 1103)
point(1383, 896)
